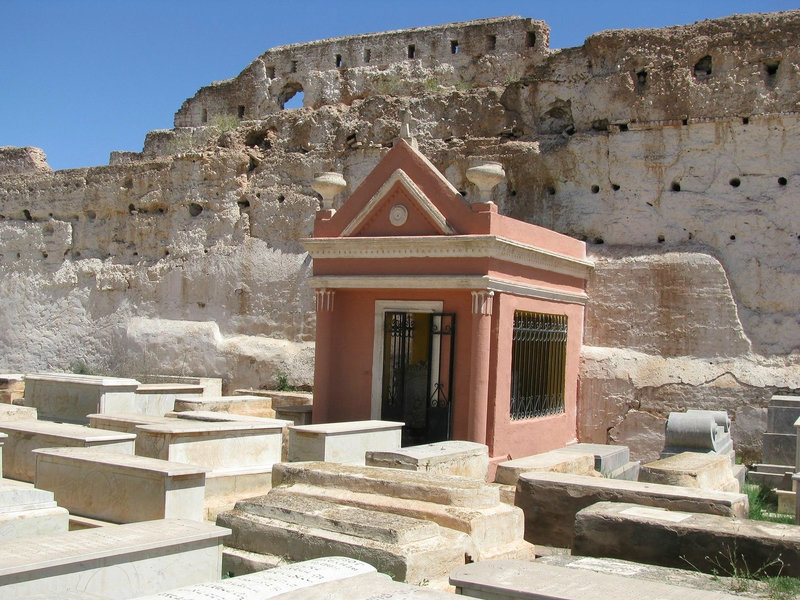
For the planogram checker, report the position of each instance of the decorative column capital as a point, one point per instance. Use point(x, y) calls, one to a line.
point(325, 298)
point(482, 301)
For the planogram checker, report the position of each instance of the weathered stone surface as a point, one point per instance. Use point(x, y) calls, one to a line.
point(512, 579)
point(692, 469)
point(26, 511)
point(465, 459)
point(257, 406)
point(345, 442)
point(16, 161)
point(709, 543)
point(580, 463)
point(550, 501)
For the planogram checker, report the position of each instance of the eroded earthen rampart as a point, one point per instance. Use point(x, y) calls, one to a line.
point(672, 152)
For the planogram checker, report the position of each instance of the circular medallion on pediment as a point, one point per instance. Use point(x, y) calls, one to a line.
point(398, 215)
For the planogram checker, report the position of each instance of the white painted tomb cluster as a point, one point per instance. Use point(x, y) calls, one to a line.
point(138, 504)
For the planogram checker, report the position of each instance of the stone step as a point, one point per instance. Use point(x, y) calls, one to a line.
point(428, 559)
point(438, 489)
point(559, 461)
point(308, 511)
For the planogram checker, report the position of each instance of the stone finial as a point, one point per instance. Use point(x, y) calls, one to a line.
point(486, 176)
point(405, 130)
point(327, 185)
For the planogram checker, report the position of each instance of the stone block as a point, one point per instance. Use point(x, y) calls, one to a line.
point(708, 471)
point(672, 538)
point(12, 388)
point(24, 437)
point(298, 415)
point(465, 459)
point(329, 578)
point(629, 471)
point(114, 562)
point(159, 398)
point(12, 412)
point(550, 501)
point(787, 502)
point(68, 397)
point(779, 448)
point(26, 511)
point(470, 506)
point(211, 386)
point(299, 528)
point(346, 442)
point(280, 398)
point(514, 579)
point(124, 422)
point(554, 461)
point(607, 458)
point(257, 406)
point(120, 488)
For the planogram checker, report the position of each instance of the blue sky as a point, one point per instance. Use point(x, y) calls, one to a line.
point(80, 78)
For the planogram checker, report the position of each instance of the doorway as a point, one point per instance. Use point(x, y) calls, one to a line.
point(416, 373)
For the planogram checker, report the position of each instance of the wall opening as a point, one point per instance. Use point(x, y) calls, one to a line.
point(641, 78)
point(204, 116)
point(270, 72)
point(338, 61)
point(782, 181)
point(291, 96)
point(530, 39)
point(491, 42)
point(771, 67)
point(453, 46)
point(703, 68)
point(735, 182)
point(293, 67)
point(195, 209)
point(240, 111)
point(412, 51)
point(367, 55)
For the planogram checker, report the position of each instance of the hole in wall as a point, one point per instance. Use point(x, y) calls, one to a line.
point(600, 125)
point(684, 121)
point(735, 182)
point(675, 187)
point(195, 209)
point(204, 116)
point(291, 96)
point(661, 239)
point(338, 61)
point(703, 68)
point(771, 67)
point(782, 181)
point(745, 120)
point(244, 203)
point(293, 67)
point(240, 111)
point(732, 237)
point(595, 189)
point(132, 209)
point(453, 46)
point(615, 187)
point(513, 193)
point(491, 42)
point(530, 39)
point(551, 191)
point(281, 198)
point(599, 240)
point(91, 215)
point(44, 254)
point(270, 69)
point(27, 214)
point(641, 78)
point(412, 51)
point(367, 55)
point(623, 127)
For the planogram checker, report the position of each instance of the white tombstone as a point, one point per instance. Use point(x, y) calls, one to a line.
point(345, 442)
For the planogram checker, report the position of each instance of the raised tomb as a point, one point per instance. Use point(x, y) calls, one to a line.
point(671, 152)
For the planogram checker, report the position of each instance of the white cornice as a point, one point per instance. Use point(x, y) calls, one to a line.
point(452, 246)
point(422, 201)
point(445, 282)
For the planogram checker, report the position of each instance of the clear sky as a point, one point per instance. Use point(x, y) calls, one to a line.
point(80, 78)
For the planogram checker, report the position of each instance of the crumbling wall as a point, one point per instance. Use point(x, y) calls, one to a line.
point(680, 173)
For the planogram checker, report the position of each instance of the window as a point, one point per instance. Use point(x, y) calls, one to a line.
point(453, 46)
point(538, 358)
point(412, 51)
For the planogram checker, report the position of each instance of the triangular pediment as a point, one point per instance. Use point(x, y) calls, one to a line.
point(403, 195)
point(403, 207)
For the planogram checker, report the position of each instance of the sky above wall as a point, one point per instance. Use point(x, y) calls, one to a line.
point(81, 78)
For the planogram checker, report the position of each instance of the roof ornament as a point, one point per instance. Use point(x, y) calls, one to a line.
point(405, 130)
point(485, 176)
point(327, 185)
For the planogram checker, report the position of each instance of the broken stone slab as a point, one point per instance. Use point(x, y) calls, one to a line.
point(123, 422)
point(708, 471)
point(345, 442)
point(159, 398)
point(470, 506)
point(465, 459)
point(26, 511)
point(560, 461)
point(330, 578)
point(68, 397)
point(299, 528)
point(671, 538)
point(24, 437)
point(257, 406)
point(513, 579)
point(550, 501)
point(120, 488)
point(117, 561)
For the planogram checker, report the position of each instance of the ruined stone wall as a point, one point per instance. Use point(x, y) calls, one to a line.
point(679, 170)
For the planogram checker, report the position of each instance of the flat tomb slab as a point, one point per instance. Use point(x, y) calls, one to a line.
point(12, 412)
point(213, 415)
point(708, 471)
point(258, 406)
point(280, 398)
point(26, 436)
point(121, 488)
point(298, 415)
point(413, 485)
point(26, 511)
point(514, 579)
point(345, 442)
point(123, 422)
point(550, 501)
point(217, 445)
point(115, 562)
point(70, 397)
point(465, 459)
point(579, 463)
point(676, 538)
point(159, 398)
point(607, 458)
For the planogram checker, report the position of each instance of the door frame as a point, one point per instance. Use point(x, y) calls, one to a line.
point(381, 308)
